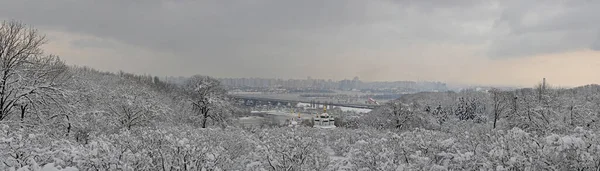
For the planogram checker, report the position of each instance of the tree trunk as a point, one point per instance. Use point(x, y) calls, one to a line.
point(23, 109)
point(2, 113)
point(69, 125)
point(515, 105)
point(495, 118)
point(204, 119)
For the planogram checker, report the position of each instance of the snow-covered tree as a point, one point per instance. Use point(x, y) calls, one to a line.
point(27, 78)
point(208, 99)
point(131, 112)
point(467, 108)
point(500, 102)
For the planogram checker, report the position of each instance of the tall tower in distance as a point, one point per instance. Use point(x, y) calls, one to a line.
point(544, 84)
point(355, 83)
point(542, 89)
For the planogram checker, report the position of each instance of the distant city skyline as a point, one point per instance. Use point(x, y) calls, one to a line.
point(321, 84)
point(450, 86)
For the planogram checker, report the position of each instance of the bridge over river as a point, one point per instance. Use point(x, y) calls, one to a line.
point(253, 100)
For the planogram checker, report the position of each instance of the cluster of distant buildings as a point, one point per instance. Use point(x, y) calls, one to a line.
point(320, 84)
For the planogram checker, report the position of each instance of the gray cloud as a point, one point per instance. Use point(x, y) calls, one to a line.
point(533, 28)
point(234, 37)
point(596, 45)
point(178, 25)
point(92, 43)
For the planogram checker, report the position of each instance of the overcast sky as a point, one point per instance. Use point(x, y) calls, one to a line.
point(462, 41)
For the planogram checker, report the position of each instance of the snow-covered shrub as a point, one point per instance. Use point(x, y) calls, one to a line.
point(577, 151)
point(374, 154)
point(292, 149)
point(47, 167)
point(21, 148)
point(342, 140)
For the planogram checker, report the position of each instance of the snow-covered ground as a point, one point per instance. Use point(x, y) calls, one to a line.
point(279, 116)
point(357, 110)
point(284, 113)
point(47, 167)
point(345, 109)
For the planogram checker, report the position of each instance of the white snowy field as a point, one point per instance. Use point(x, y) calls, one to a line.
point(344, 109)
point(281, 116)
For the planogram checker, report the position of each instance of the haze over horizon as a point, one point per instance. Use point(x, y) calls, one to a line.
point(466, 41)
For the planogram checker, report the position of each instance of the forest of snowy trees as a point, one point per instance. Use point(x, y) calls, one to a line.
point(60, 117)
